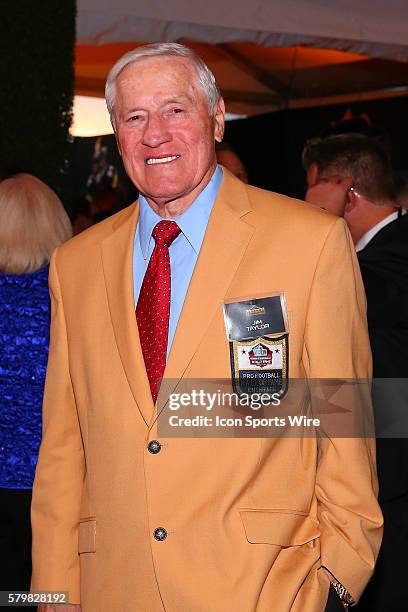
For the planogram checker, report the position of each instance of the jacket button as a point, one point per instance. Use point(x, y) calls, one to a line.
point(154, 447)
point(160, 534)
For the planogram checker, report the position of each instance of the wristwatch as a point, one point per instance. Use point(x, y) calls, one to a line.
point(345, 597)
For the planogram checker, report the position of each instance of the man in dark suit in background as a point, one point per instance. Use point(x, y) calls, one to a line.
point(350, 175)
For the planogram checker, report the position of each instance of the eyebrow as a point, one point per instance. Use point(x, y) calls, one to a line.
point(177, 99)
point(171, 100)
point(136, 109)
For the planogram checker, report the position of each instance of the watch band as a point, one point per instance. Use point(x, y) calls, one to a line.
point(345, 597)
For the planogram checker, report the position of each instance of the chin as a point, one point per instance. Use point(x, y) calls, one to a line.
point(166, 191)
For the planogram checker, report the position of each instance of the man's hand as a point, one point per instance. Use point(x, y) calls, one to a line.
point(331, 193)
point(60, 608)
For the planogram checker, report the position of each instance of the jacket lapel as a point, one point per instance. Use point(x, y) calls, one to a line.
point(117, 259)
point(224, 244)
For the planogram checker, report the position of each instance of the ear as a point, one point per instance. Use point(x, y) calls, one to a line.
point(117, 142)
point(219, 120)
point(115, 133)
point(352, 200)
point(312, 174)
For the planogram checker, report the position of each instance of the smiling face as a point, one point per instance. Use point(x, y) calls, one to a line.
point(164, 131)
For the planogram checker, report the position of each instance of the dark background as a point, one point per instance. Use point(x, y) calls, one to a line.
point(270, 145)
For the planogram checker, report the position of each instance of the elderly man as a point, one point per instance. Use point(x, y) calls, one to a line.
point(127, 519)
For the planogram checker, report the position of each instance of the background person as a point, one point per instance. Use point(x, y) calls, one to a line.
point(229, 158)
point(380, 234)
point(33, 223)
point(401, 189)
point(325, 188)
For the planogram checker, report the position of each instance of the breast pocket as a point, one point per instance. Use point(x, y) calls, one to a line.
point(87, 535)
point(279, 527)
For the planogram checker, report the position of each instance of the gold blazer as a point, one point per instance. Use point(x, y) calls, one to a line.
point(250, 521)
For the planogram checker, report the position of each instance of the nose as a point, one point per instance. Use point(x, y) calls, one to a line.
point(156, 132)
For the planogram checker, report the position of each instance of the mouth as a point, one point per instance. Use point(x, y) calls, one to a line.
point(151, 161)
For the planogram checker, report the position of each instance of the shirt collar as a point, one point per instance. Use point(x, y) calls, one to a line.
point(368, 236)
point(193, 222)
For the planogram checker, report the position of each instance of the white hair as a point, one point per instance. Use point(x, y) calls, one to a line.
point(206, 79)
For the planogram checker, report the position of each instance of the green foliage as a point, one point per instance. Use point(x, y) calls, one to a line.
point(37, 39)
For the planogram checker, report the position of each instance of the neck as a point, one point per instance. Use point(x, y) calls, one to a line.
point(170, 208)
point(373, 214)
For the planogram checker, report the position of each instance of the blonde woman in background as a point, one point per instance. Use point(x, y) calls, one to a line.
point(33, 223)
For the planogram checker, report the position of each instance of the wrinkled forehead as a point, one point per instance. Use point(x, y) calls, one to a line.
point(163, 74)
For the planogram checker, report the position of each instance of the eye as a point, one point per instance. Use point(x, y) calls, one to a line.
point(136, 117)
point(174, 110)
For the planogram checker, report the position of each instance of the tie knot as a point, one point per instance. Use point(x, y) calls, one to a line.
point(165, 232)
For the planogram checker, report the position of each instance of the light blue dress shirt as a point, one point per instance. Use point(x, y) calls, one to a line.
point(183, 251)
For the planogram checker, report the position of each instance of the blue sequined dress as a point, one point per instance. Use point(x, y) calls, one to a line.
point(24, 343)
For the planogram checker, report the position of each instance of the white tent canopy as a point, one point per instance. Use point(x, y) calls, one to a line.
point(266, 54)
point(374, 27)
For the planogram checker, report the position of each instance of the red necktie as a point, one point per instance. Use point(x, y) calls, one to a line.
point(153, 306)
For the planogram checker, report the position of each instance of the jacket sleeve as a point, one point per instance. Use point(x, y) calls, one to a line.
point(337, 347)
point(58, 483)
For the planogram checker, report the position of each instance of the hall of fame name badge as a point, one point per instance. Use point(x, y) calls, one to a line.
point(258, 335)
